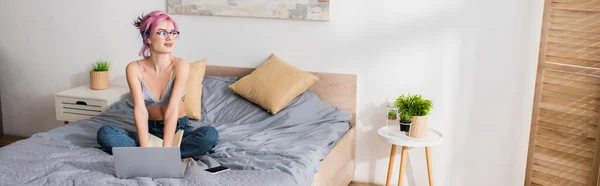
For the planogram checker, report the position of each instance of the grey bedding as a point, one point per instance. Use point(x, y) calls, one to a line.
point(261, 149)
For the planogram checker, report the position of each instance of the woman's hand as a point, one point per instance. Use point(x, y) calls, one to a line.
point(143, 143)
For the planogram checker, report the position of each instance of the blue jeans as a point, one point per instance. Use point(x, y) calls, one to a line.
point(194, 143)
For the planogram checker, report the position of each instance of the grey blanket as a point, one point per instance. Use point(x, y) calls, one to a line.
point(260, 148)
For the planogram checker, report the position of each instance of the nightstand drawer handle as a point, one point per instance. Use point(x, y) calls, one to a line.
point(80, 103)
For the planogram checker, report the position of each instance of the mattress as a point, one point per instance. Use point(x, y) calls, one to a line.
point(260, 148)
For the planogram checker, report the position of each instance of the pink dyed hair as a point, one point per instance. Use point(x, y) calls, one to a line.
point(148, 26)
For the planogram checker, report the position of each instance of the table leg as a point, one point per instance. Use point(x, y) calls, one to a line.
point(402, 165)
point(391, 165)
point(429, 170)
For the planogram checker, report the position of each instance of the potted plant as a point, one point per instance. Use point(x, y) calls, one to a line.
point(405, 121)
point(414, 110)
point(99, 76)
point(392, 115)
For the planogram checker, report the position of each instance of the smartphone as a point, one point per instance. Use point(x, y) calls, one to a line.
point(217, 169)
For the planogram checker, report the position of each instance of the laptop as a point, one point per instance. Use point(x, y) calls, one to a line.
point(153, 162)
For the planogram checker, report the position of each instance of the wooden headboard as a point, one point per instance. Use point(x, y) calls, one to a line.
point(338, 90)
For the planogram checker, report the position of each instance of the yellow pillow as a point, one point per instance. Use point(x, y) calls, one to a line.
point(193, 93)
point(273, 84)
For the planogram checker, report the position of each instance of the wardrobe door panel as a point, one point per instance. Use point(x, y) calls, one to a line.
point(563, 145)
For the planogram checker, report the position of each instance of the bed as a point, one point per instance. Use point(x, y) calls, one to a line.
point(308, 143)
point(338, 90)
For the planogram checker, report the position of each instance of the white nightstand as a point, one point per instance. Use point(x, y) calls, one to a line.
point(83, 103)
point(393, 135)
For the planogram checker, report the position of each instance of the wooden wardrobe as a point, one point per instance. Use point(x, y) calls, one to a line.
point(564, 142)
point(1, 127)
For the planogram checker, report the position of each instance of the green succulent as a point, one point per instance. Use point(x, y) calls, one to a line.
point(405, 118)
point(101, 65)
point(392, 113)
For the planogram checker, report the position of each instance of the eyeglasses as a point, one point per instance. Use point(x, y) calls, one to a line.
point(163, 34)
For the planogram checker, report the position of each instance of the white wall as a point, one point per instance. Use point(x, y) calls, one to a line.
point(475, 59)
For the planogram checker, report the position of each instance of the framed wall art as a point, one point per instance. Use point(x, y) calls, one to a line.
point(311, 10)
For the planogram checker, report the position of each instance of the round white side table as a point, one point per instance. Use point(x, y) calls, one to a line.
point(393, 135)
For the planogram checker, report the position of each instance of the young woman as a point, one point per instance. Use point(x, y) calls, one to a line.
point(157, 84)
